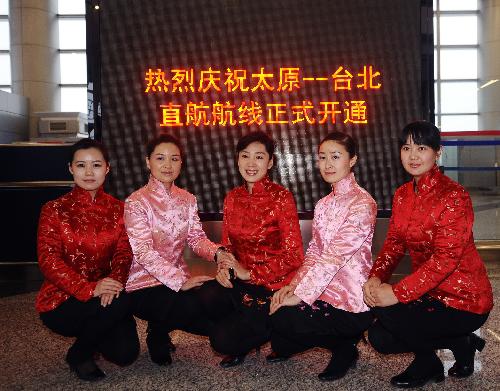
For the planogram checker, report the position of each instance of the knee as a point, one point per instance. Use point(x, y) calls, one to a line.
point(125, 354)
point(284, 320)
point(280, 321)
point(120, 306)
point(379, 339)
point(209, 293)
point(222, 340)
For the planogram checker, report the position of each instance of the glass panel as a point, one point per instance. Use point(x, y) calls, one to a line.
point(71, 7)
point(5, 69)
point(74, 99)
point(4, 7)
point(4, 35)
point(6, 89)
point(73, 68)
point(458, 30)
point(435, 65)
point(434, 23)
point(458, 5)
point(458, 123)
point(458, 63)
point(72, 34)
point(436, 97)
point(458, 97)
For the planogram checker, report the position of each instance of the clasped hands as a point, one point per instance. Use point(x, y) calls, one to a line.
point(226, 261)
point(107, 289)
point(377, 294)
point(285, 297)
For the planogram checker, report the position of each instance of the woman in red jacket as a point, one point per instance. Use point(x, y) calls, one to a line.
point(85, 256)
point(261, 229)
point(448, 294)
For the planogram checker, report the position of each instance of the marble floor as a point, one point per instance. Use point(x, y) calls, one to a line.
point(32, 358)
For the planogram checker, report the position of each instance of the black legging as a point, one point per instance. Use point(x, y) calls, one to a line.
point(421, 327)
point(110, 330)
point(167, 310)
point(240, 316)
point(301, 327)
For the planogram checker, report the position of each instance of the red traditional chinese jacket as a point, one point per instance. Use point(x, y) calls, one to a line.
point(433, 222)
point(80, 241)
point(262, 230)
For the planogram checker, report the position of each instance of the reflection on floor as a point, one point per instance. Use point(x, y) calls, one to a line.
point(486, 215)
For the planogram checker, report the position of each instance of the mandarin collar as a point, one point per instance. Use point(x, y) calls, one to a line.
point(84, 196)
point(158, 187)
point(260, 186)
point(345, 185)
point(427, 181)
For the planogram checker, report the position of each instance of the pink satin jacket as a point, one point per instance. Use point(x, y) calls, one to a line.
point(159, 223)
point(339, 258)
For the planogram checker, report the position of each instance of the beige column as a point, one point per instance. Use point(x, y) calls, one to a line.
point(489, 69)
point(34, 58)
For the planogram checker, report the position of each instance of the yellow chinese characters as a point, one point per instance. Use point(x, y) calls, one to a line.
point(285, 80)
point(229, 114)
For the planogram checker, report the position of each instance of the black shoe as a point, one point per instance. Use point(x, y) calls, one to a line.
point(405, 380)
point(339, 366)
point(420, 372)
point(275, 357)
point(87, 370)
point(171, 346)
point(465, 367)
point(232, 361)
point(159, 347)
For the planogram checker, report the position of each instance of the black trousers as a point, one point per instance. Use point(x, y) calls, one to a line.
point(421, 327)
point(167, 310)
point(301, 327)
point(110, 330)
point(240, 316)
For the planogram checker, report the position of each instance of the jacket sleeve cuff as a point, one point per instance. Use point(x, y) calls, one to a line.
point(87, 292)
point(313, 284)
point(401, 293)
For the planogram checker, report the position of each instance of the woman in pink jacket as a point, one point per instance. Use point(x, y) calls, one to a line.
point(161, 219)
point(323, 305)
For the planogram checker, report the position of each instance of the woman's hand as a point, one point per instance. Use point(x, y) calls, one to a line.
point(288, 301)
point(194, 282)
point(385, 296)
point(280, 295)
point(230, 262)
point(369, 289)
point(107, 286)
point(223, 278)
point(107, 298)
point(224, 258)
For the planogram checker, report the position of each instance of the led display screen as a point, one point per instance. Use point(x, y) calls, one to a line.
point(209, 72)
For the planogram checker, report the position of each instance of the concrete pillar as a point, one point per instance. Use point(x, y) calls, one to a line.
point(35, 66)
point(489, 69)
point(489, 64)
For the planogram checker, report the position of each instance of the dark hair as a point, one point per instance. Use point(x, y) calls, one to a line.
point(259, 137)
point(87, 143)
point(163, 138)
point(422, 133)
point(349, 142)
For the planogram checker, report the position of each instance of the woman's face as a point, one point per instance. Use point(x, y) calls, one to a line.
point(253, 163)
point(165, 163)
point(418, 159)
point(89, 169)
point(334, 161)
